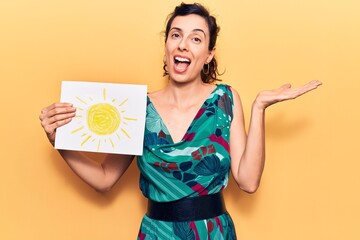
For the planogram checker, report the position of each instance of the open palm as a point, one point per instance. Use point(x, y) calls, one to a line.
point(283, 93)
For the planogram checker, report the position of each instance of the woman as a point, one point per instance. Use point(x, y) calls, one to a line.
point(188, 148)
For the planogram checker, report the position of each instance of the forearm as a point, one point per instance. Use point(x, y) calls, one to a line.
point(248, 152)
point(252, 162)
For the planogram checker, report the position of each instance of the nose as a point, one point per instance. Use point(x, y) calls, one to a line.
point(183, 45)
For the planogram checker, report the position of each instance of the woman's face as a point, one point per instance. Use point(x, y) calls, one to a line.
point(186, 48)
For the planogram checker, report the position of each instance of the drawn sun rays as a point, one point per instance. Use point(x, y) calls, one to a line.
point(101, 122)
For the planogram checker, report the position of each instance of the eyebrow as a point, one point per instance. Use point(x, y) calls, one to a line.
point(194, 30)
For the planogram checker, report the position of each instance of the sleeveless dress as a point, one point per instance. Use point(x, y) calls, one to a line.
point(197, 165)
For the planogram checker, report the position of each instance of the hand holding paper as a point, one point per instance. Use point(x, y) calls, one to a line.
point(109, 117)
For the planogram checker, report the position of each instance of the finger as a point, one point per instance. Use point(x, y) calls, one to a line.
point(306, 88)
point(58, 110)
point(316, 82)
point(285, 86)
point(60, 117)
point(313, 85)
point(61, 110)
point(51, 128)
point(55, 115)
point(45, 111)
point(57, 105)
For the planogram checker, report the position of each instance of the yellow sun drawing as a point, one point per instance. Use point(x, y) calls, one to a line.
point(101, 122)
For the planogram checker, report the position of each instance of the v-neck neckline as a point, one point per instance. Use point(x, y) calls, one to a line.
point(192, 121)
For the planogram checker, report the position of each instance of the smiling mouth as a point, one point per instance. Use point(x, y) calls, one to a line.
point(181, 64)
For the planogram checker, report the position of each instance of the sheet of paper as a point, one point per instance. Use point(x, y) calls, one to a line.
point(109, 117)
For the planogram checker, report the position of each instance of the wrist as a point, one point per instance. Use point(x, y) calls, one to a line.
point(258, 105)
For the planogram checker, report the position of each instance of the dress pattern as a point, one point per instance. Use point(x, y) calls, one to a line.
point(197, 165)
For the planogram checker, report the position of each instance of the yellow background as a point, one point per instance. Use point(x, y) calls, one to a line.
point(310, 187)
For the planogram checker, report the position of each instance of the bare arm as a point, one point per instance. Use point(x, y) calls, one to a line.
point(248, 152)
point(100, 176)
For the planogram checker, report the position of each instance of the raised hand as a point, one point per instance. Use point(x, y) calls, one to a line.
point(283, 93)
point(54, 116)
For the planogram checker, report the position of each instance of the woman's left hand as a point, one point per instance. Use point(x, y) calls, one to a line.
point(283, 93)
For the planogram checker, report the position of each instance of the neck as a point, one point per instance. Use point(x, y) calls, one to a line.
point(184, 95)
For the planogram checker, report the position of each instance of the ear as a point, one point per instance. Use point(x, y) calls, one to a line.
point(211, 55)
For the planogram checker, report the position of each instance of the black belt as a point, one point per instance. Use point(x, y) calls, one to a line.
point(187, 209)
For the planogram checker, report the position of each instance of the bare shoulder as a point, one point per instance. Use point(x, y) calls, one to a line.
point(238, 108)
point(234, 91)
point(236, 96)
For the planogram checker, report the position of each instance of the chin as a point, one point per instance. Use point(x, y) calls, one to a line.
point(183, 78)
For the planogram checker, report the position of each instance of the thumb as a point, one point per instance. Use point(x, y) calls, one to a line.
point(285, 86)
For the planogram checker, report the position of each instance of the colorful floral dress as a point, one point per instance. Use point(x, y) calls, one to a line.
point(197, 165)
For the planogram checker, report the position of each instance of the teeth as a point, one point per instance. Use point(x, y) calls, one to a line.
point(180, 59)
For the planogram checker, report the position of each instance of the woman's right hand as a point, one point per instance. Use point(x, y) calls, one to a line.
point(54, 116)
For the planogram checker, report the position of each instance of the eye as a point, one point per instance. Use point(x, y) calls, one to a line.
point(197, 40)
point(175, 35)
